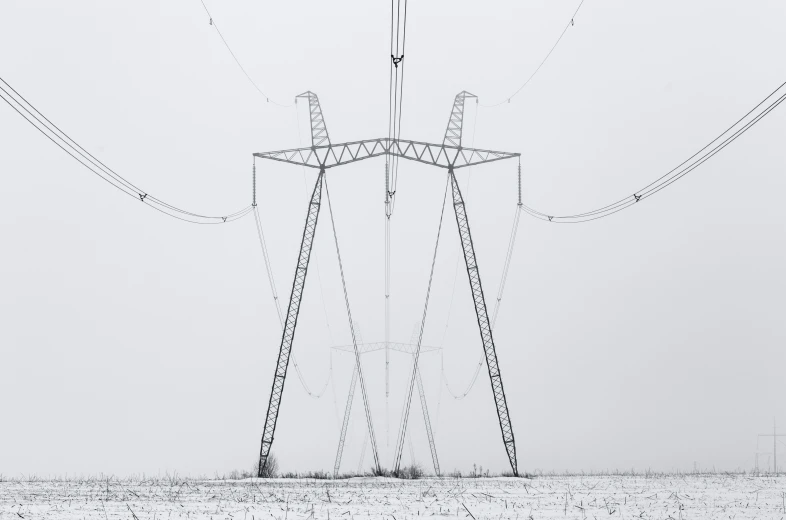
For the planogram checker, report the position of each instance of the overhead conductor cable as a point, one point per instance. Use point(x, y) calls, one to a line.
point(570, 24)
point(742, 125)
point(63, 141)
point(243, 69)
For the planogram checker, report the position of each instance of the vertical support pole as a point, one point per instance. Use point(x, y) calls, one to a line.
point(345, 423)
point(290, 323)
point(774, 448)
point(519, 181)
point(343, 436)
point(254, 184)
point(362, 454)
point(387, 303)
point(483, 322)
point(402, 434)
point(358, 364)
point(427, 419)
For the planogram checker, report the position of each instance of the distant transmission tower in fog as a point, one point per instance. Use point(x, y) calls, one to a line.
point(774, 436)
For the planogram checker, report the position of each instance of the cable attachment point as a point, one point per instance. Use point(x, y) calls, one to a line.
point(211, 21)
point(142, 196)
point(571, 21)
point(396, 61)
point(637, 197)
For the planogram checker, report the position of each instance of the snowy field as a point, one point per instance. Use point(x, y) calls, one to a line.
point(676, 496)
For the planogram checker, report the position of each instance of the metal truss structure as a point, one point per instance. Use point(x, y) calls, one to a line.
point(332, 155)
point(450, 155)
point(290, 323)
point(319, 133)
point(456, 121)
point(483, 323)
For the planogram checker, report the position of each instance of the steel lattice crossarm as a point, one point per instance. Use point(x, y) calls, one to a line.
point(441, 155)
point(456, 122)
point(407, 348)
point(319, 133)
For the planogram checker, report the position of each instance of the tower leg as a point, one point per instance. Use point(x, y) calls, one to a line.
point(290, 323)
point(483, 322)
point(343, 436)
point(427, 420)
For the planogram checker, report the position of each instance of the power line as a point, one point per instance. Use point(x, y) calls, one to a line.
point(562, 34)
point(395, 110)
point(215, 26)
point(63, 141)
point(727, 137)
point(396, 88)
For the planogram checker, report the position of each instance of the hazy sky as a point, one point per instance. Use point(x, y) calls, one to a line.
point(131, 342)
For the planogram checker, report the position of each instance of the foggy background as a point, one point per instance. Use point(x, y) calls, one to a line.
point(135, 343)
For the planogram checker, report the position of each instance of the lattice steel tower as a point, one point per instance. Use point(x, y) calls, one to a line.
point(450, 155)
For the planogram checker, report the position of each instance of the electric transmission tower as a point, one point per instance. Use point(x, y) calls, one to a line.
point(450, 155)
point(365, 348)
point(774, 436)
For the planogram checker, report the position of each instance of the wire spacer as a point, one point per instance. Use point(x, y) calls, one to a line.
point(637, 197)
point(225, 219)
point(142, 196)
point(396, 61)
point(550, 218)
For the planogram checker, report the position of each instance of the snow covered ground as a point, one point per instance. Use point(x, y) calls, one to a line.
point(659, 496)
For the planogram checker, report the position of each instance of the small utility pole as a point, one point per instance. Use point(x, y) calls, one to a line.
point(774, 436)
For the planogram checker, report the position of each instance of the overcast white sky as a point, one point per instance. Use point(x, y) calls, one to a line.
point(131, 342)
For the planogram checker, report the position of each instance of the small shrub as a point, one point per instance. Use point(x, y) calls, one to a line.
point(521, 475)
point(271, 468)
point(319, 475)
point(411, 472)
point(381, 472)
